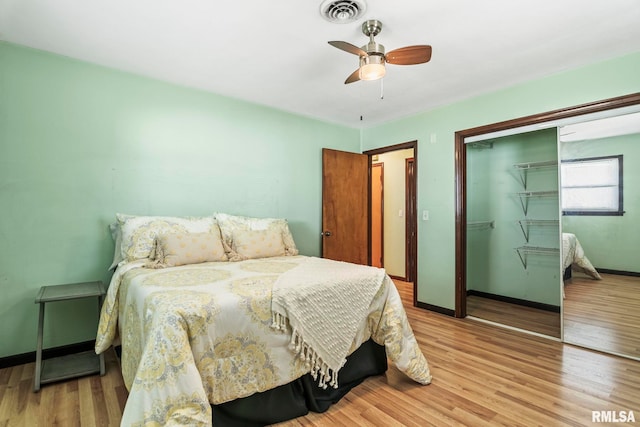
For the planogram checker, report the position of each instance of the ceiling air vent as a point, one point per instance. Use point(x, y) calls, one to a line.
point(342, 11)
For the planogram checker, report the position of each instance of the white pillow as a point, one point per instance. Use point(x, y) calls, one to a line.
point(138, 233)
point(116, 235)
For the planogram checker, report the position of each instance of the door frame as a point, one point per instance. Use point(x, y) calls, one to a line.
point(411, 211)
point(461, 174)
point(411, 218)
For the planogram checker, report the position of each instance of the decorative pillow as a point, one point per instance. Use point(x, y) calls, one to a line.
point(231, 223)
point(139, 232)
point(249, 244)
point(188, 248)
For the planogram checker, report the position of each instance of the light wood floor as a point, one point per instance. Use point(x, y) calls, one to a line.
point(603, 314)
point(482, 376)
point(518, 316)
point(600, 314)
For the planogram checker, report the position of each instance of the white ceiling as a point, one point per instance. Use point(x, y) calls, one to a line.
point(624, 124)
point(275, 53)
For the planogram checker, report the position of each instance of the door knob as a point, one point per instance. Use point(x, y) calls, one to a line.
point(326, 233)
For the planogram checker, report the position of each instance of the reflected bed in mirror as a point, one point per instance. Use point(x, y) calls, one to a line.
point(573, 257)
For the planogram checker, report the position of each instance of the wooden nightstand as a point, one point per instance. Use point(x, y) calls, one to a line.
point(73, 365)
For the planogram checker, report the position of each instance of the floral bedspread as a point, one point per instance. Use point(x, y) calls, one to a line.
point(200, 334)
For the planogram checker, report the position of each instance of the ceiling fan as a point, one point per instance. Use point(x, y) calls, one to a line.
point(373, 57)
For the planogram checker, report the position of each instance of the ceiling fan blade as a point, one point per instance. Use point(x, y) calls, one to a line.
point(354, 77)
point(409, 55)
point(348, 47)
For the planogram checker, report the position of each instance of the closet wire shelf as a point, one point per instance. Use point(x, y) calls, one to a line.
point(524, 251)
point(526, 224)
point(480, 225)
point(524, 197)
point(524, 168)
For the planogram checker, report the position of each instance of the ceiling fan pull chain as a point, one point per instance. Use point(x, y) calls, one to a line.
point(381, 88)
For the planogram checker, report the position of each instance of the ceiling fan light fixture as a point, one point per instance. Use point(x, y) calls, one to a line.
point(373, 58)
point(372, 68)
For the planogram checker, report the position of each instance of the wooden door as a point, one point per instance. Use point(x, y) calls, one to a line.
point(377, 215)
point(345, 202)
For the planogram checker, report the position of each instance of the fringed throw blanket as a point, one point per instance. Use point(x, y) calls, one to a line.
point(324, 303)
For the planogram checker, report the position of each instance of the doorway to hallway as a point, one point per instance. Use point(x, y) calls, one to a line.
point(393, 210)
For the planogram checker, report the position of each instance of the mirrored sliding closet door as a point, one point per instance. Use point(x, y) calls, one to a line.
point(601, 214)
point(547, 224)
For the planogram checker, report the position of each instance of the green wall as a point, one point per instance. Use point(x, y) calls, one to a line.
point(435, 160)
point(493, 266)
point(610, 242)
point(80, 142)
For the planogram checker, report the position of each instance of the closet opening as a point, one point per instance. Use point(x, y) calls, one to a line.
point(534, 223)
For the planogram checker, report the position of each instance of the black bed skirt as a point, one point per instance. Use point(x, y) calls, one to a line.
point(302, 395)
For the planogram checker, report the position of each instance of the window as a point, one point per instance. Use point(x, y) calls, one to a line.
point(592, 186)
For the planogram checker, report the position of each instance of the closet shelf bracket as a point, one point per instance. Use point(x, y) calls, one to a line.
point(524, 197)
point(526, 224)
point(525, 251)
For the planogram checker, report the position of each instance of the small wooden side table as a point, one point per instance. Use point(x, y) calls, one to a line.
point(73, 365)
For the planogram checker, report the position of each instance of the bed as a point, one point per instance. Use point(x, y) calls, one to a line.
point(246, 316)
point(573, 256)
